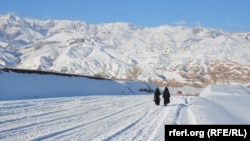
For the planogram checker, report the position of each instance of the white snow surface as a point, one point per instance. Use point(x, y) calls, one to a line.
point(16, 86)
point(104, 110)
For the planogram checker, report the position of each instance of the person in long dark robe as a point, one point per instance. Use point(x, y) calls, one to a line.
point(157, 96)
point(166, 96)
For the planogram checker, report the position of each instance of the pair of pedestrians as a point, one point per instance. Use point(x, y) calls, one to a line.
point(165, 96)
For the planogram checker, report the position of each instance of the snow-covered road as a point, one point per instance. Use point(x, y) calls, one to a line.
point(88, 118)
point(117, 117)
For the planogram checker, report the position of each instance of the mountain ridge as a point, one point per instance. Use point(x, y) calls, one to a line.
point(162, 54)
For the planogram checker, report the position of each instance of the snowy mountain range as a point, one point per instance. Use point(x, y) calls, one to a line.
point(165, 54)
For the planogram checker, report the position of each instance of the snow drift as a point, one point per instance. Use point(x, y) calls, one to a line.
point(221, 104)
point(225, 90)
point(21, 85)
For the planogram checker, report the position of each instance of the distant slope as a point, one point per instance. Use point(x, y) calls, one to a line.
point(190, 56)
point(30, 84)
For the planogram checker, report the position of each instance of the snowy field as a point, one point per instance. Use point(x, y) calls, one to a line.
point(118, 117)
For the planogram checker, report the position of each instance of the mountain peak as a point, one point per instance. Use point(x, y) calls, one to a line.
point(10, 17)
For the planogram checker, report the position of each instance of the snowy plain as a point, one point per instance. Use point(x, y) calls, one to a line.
point(48, 107)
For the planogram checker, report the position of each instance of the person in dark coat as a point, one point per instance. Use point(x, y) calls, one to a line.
point(157, 96)
point(166, 96)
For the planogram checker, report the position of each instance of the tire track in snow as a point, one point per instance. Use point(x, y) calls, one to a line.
point(176, 108)
point(137, 130)
point(44, 122)
point(123, 129)
point(159, 126)
point(101, 132)
point(76, 128)
point(142, 128)
point(172, 110)
point(117, 124)
point(113, 118)
point(152, 124)
point(22, 113)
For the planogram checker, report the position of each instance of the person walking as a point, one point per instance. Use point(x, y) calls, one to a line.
point(157, 96)
point(166, 96)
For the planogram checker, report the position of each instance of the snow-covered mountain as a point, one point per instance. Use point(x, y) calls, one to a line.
point(166, 54)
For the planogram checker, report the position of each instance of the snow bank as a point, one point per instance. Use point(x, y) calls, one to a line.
point(225, 90)
point(15, 86)
point(222, 104)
